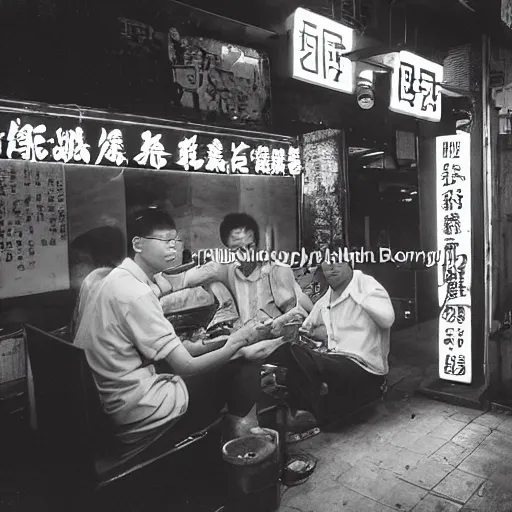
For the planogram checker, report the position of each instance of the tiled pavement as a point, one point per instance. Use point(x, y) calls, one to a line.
point(410, 454)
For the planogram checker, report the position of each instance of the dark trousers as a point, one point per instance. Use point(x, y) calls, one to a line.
point(349, 385)
point(235, 385)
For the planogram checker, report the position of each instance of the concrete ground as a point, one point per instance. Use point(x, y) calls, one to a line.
point(410, 453)
point(406, 453)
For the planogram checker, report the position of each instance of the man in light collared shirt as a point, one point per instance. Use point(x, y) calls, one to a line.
point(259, 288)
point(123, 331)
point(256, 286)
point(352, 324)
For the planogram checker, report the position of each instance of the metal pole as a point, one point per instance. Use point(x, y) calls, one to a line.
point(487, 192)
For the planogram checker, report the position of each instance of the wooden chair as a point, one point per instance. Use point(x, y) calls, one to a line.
point(71, 422)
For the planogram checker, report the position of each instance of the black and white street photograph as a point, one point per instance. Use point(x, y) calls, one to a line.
point(256, 256)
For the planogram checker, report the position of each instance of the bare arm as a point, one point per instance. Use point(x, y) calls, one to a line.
point(186, 365)
point(305, 302)
point(198, 348)
point(199, 276)
point(155, 338)
point(314, 325)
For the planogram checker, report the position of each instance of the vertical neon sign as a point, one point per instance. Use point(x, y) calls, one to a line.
point(454, 240)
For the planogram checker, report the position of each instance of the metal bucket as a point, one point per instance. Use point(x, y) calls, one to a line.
point(253, 471)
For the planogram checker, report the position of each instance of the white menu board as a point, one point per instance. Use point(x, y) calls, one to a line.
point(33, 228)
point(454, 272)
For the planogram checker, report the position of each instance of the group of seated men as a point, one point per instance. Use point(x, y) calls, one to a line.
point(154, 385)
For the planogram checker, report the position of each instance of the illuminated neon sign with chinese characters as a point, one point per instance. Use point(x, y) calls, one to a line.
point(415, 89)
point(317, 48)
point(454, 239)
point(63, 140)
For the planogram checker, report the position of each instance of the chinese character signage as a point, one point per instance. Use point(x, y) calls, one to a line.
point(454, 239)
point(317, 48)
point(94, 142)
point(415, 89)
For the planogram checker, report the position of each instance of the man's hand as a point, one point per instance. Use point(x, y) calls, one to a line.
point(254, 331)
point(295, 315)
point(318, 332)
point(164, 283)
point(237, 340)
point(198, 347)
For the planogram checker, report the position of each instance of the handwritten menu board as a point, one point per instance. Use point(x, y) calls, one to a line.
point(33, 229)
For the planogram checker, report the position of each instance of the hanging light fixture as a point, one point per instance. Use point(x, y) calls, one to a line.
point(365, 90)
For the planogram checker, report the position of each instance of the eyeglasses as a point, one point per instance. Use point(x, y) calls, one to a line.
point(248, 247)
point(172, 242)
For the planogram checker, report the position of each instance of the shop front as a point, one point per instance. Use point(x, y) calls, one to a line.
point(393, 158)
point(70, 178)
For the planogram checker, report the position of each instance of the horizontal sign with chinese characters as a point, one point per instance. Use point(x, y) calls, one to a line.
point(317, 46)
point(415, 87)
point(454, 239)
point(92, 141)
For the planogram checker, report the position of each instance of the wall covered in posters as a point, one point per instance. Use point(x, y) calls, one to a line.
point(454, 239)
point(33, 229)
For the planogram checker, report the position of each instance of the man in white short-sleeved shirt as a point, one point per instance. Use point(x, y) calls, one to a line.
point(352, 323)
point(123, 331)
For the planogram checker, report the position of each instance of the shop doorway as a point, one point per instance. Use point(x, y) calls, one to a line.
point(384, 215)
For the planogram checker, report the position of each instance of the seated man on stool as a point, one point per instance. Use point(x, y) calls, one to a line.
point(351, 324)
point(260, 289)
point(124, 333)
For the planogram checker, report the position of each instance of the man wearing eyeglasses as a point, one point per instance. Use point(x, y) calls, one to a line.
point(124, 333)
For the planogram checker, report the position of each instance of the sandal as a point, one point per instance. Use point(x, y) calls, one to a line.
point(292, 437)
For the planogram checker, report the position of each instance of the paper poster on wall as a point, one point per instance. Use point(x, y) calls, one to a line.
point(33, 229)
